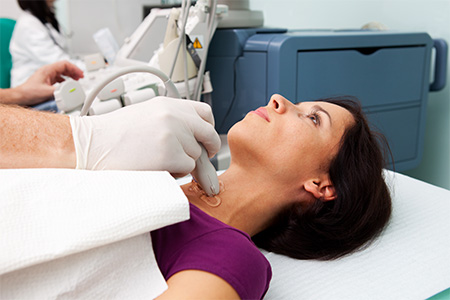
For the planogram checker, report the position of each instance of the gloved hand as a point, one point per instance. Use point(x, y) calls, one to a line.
point(159, 134)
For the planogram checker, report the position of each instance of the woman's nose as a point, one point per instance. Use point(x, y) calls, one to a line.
point(278, 103)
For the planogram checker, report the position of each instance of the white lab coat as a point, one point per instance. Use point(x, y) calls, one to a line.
point(34, 45)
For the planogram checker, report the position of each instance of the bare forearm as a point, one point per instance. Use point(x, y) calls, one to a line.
point(11, 96)
point(33, 139)
point(26, 94)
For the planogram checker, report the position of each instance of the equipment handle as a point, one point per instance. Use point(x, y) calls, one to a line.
point(440, 68)
point(170, 87)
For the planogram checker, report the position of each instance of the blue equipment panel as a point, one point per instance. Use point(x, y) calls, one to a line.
point(389, 72)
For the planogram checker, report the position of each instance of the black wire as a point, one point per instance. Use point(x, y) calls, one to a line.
point(234, 94)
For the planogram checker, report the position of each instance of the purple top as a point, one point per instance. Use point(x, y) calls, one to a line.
point(205, 243)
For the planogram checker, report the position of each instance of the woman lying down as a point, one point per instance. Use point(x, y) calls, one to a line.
point(305, 181)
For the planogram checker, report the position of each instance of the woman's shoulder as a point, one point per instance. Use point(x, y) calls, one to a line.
point(28, 25)
point(231, 255)
point(237, 249)
point(206, 244)
point(222, 238)
point(27, 19)
point(202, 235)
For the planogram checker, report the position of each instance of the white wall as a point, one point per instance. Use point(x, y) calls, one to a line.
point(84, 17)
point(9, 9)
point(432, 16)
point(80, 19)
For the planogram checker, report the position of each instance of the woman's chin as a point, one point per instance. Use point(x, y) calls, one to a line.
point(236, 134)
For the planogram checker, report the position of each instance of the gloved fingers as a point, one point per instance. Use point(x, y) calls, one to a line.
point(203, 110)
point(180, 165)
point(207, 136)
point(178, 175)
point(205, 133)
point(190, 145)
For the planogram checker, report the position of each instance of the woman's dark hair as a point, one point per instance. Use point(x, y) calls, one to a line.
point(41, 10)
point(331, 229)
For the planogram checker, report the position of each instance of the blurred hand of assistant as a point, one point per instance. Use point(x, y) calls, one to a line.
point(39, 87)
point(159, 134)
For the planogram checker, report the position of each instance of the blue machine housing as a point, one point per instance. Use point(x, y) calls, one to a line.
point(389, 72)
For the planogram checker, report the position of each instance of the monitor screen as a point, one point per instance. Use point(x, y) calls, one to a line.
point(150, 40)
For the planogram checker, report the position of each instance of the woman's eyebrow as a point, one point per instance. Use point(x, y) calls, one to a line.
point(320, 108)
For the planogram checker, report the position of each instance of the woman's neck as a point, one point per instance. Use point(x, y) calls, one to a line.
point(243, 202)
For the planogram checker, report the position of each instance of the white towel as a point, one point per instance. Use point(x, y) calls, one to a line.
point(72, 233)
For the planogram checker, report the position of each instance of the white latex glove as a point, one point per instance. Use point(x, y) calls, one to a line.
point(159, 134)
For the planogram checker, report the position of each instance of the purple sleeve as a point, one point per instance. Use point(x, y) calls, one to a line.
point(229, 255)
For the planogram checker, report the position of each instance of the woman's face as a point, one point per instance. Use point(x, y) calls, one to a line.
point(289, 141)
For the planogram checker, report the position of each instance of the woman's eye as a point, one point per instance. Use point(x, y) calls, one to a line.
point(314, 118)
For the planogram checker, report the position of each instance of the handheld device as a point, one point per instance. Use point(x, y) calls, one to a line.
point(69, 95)
point(205, 174)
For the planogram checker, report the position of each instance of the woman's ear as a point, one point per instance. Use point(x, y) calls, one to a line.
point(322, 190)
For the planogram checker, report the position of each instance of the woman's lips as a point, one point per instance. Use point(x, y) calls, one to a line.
point(262, 112)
